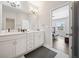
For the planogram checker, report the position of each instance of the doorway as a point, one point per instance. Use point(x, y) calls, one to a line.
point(60, 28)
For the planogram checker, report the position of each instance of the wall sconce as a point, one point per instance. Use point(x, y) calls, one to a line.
point(33, 11)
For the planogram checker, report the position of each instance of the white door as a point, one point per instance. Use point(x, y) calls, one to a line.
point(7, 49)
point(20, 44)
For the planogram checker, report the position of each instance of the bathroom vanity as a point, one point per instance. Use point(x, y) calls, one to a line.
point(15, 44)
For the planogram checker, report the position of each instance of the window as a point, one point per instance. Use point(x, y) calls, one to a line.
point(60, 25)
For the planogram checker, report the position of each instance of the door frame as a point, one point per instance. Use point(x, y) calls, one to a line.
point(62, 5)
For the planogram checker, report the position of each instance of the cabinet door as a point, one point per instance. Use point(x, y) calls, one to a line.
point(38, 39)
point(20, 45)
point(41, 37)
point(7, 49)
point(30, 45)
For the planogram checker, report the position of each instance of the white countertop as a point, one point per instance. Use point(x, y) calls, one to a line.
point(33, 31)
point(9, 33)
point(4, 36)
point(13, 33)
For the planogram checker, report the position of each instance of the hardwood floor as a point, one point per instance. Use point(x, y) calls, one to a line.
point(59, 44)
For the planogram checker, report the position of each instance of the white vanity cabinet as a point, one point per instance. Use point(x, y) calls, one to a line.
point(12, 45)
point(20, 44)
point(34, 40)
point(15, 45)
point(7, 49)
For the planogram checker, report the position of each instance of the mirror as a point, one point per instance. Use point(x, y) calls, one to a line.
point(25, 24)
point(14, 19)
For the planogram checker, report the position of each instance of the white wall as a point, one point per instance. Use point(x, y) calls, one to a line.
point(33, 19)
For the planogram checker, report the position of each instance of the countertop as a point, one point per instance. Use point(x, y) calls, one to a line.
point(9, 33)
point(15, 33)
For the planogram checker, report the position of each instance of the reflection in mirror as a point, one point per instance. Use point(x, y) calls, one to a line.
point(25, 24)
point(10, 23)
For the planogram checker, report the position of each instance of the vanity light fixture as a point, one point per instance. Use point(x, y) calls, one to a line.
point(14, 3)
point(33, 11)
